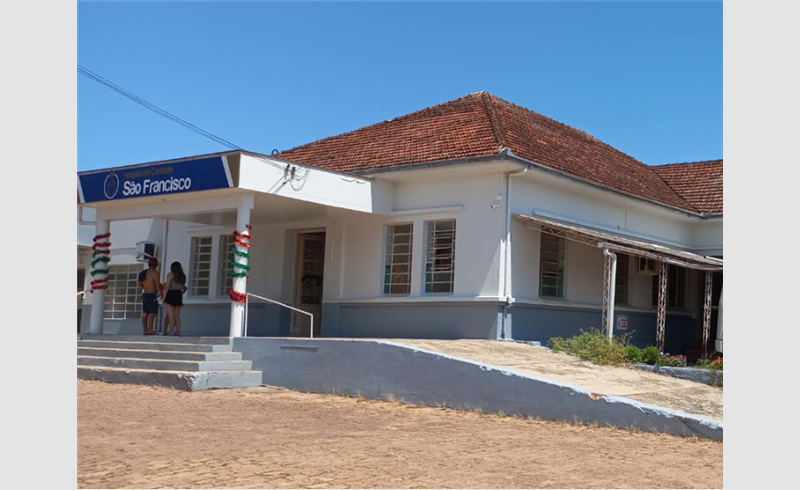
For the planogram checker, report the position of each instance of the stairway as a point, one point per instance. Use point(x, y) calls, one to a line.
point(184, 363)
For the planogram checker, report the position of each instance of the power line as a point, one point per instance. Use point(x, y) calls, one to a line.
point(116, 88)
point(97, 78)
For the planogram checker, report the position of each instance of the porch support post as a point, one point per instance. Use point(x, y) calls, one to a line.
point(101, 253)
point(707, 314)
point(241, 240)
point(661, 316)
point(609, 292)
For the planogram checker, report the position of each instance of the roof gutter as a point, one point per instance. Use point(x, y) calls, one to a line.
point(525, 161)
point(507, 153)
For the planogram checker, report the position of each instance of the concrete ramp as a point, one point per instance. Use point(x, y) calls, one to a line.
point(391, 370)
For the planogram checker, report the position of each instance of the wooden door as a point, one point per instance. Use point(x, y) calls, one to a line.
point(309, 276)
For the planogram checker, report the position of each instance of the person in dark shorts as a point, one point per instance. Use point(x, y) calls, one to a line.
point(149, 282)
point(172, 294)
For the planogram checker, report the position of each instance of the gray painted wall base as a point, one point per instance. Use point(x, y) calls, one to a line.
point(389, 371)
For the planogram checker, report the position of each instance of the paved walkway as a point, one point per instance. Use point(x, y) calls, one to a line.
point(657, 389)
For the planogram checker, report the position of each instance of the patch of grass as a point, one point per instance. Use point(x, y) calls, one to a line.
point(594, 346)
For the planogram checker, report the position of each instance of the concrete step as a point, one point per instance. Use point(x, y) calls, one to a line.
point(181, 380)
point(185, 363)
point(159, 354)
point(164, 364)
point(158, 338)
point(154, 345)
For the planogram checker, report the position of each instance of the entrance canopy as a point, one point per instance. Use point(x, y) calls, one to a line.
point(620, 243)
point(208, 188)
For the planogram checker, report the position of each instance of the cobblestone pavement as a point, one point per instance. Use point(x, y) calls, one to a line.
point(132, 436)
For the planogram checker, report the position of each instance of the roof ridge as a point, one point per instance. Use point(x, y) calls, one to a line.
point(674, 190)
point(397, 118)
point(583, 133)
point(698, 162)
point(495, 123)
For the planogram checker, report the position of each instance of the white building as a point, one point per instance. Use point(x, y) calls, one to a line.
point(475, 218)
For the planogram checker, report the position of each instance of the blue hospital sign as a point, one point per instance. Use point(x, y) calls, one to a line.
point(164, 178)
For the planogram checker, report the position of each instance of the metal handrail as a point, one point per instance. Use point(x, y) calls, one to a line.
point(81, 292)
point(247, 308)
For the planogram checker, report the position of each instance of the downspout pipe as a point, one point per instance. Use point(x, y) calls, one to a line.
point(509, 300)
point(612, 291)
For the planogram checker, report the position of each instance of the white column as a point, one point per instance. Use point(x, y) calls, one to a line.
point(609, 291)
point(98, 295)
point(240, 283)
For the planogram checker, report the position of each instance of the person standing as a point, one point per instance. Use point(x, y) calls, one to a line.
point(172, 295)
point(151, 286)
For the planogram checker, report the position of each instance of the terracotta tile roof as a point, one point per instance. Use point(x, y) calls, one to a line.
point(455, 129)
point(699, 183)
point(481, 124)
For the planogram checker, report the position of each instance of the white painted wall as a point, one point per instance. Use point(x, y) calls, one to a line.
point(356, 241)
point(584, 264)
point(707, 237)
point(309, 184)
point(584, 204)
point(526, 247)
point(479, 230)
point(584, 273)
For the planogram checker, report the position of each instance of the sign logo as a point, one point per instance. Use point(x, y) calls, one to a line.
point(155, 179)
point(111, 185)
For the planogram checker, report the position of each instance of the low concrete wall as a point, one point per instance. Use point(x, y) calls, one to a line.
point(693, 374)
point(389, 371)
point(541, 322)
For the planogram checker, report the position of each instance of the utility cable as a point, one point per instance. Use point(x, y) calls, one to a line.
point(116, 88)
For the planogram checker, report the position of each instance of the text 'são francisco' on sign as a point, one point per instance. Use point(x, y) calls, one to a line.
point(149, 180)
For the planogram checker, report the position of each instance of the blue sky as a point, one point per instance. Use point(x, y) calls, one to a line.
point(645, 77)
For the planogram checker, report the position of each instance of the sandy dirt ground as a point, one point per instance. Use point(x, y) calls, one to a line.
point(133, 436)
point(644, 386)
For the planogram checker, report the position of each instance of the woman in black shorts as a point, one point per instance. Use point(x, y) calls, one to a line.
point(172, 292)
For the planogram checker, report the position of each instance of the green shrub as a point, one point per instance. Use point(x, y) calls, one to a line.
point(633, 354)
point(593, 346)
point(715, 367)
point(650, 355)
point(668, 360)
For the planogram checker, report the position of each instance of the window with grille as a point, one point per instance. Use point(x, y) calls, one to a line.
point(551, 266)
point(397, 268)
point(676, 287)
point(621, 288)
point(123, 296)
point(226, 256)
point(440, 256)
point(200, 266)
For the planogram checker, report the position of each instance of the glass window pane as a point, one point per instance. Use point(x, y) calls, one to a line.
point(440, 256)
point(397, 258)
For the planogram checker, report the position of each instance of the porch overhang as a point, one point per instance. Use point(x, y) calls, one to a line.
point(206, 189)
point(621, 243)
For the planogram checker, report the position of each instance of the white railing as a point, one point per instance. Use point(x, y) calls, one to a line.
point(81, 292)
point(247, 309)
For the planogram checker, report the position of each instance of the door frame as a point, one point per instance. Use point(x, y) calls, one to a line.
point(296, 287)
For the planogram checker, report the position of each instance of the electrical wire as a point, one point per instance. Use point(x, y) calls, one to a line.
point(97, 78)
point(135, 98)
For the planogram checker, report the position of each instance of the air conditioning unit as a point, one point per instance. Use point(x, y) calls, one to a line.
point(648, 267)
point(145, 250)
